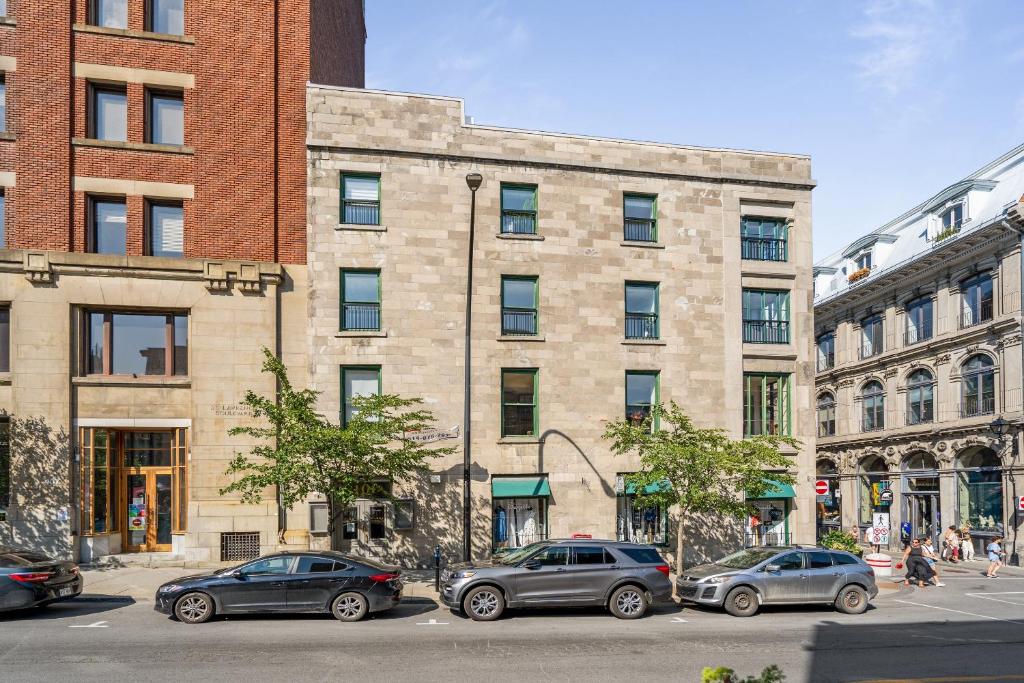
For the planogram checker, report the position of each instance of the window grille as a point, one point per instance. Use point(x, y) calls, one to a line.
point(239, 546)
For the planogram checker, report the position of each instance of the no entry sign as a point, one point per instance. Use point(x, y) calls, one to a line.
point(1020, 504)
point(821, 487)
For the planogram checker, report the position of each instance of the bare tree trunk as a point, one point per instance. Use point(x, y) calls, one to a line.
point(680, 523)
point(330, 520)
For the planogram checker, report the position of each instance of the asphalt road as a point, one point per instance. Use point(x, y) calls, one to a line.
point(971, 630)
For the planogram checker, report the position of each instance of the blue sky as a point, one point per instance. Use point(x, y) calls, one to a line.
point(893, 99)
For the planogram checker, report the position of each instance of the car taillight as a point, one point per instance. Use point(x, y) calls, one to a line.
point(663, 568)
point(31, 577)
point(383, 578)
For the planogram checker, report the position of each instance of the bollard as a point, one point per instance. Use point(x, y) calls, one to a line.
point(437, 568)
point(880, 562)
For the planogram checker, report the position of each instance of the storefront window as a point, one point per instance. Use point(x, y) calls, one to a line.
point(518, 522)
point(378, 527)
point(640, 524)
point(872, 481)
point(829, 514)
point(980, 491)
point(769, 523)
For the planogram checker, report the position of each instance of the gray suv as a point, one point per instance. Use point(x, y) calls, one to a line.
point(626, 577)
point(745, 580)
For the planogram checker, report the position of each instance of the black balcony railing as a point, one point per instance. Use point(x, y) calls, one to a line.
point(518, 222)
point(763, 249)
point(868, 350)
point(518, 322)
point(753, 538)
point(766, 331)
point(973, 406)
point(640, 230)
point(826, 361)
point(976, 315)
point(915, 335)
point(919, 415)
point(872, 423)
point(361, 317)
point(361, 212)
point(641, 326)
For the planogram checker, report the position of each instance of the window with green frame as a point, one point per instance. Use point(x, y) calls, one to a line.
point(519, 305)
point(518, 209)
point(519, 402)
point(765, 316)
point(640, 218)
point(357, 380)
point(360, 299)
point(360, 199)
point(764, 239)
point(642, 319)
point(643, 392)
point(766, 404)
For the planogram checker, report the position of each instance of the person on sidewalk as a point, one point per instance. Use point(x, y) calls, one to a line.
point(966, 543)
point(995, 557)
point(951, 544)
point(928, 550)
point(917, 568)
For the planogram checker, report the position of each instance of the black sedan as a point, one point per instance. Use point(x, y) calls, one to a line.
point(348, 587)
point(31, 579)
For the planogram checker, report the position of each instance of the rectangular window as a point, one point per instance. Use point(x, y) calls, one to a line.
point(976, 300)
point(864, 261)
point(826, 351)
point(108, 229)
point(765, 316)
point(136, 344)
point(5, 466)
point(109, 13)
point(919, 321)
point(871, 341)
point(642, 303)
point(165, 228)
point(360, 199)
point(378, 526)
point(519, 209)
point(405, 514)
point(519, 402)
point(766, 405)
point(3, 8)
point(358, 380)
point(166, 16)
point(108, 119)
point(360, 300)
point(764, 239)
point(165, 118)
point(350, 524)
point(640, 218)
point(519, 305)
point(642, 388)
point(3, 102)
point(953, 218)
point(5, 339)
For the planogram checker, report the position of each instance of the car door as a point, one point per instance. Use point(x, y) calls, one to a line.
point(591, 573)
point(544, 577)
point(823, 577)
point(258, 586)
point(788, 582)
point(314, 582)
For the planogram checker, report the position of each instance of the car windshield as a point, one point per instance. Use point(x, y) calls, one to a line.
point(517, 555)
point(745, 559)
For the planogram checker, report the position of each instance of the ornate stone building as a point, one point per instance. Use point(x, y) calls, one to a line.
point(918, 336)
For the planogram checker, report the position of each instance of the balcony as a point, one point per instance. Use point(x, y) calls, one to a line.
point(872, 424)
point(920, 417)
point(766, 331)
point(914, 335)
point(357, 317)
point(975, 406)
point(518, 222)
point(357, 212)
point(641, 325)
point(763, 249)
point(867, 351)
point(976, 315)
point(518, 322)
point(640, 230)
point(826, 361)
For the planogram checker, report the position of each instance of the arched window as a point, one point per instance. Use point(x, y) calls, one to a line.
point(976, 300)
point(920, 475)
point(979, 387)
point(920, 397)
point(872, 479)
point(828, 512)
point(826, 415)
point(980, 490)
point(873, 397)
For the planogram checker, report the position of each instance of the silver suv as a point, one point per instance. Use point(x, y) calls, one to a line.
point(745, 580)
point(626, 577)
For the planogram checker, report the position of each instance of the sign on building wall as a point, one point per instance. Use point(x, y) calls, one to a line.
point(880, 528)
point(428, 435)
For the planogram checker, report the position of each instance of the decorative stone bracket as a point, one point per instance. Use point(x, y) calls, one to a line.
point(249, 277)
point(37, 267)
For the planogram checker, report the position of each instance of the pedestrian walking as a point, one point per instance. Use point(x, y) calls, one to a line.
point(917, 569)
point(951, 544)
point(928, 551)
point(966, 543)
point(995, 557)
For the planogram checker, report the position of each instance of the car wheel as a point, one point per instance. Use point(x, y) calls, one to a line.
point(194, 608)
point(852, 599)
point(349, 607)
point(485, 603)
point(628, 602)
point(741, 602)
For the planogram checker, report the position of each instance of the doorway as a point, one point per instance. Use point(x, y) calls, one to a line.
point(922, 514)
point(146, 513)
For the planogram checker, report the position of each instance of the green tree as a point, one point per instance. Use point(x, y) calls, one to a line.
point(302, 453)
point(696, 470)
point(723, 674)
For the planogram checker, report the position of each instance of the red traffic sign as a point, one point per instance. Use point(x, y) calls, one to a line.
point(821, 487)
point(1020, 504)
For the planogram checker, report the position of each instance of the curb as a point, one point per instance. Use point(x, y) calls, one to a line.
point(123, 599)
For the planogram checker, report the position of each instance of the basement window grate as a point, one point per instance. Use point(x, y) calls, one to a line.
point(239, 546)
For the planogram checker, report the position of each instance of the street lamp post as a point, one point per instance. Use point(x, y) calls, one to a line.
point(999, 427)
point(473, 180)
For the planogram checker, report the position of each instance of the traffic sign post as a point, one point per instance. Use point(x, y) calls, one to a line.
point(880, 529)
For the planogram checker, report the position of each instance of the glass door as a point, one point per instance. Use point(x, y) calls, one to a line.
point(147, 510)
point(921, 515)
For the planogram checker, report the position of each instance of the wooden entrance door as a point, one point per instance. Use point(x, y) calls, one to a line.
point(146, 509)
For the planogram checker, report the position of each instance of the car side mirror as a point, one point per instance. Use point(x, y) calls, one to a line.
point(240, 575)
point(773, 568)
point(531, 564)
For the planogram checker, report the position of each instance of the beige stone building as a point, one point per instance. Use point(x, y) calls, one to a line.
point(608, 274)
point(918, 328)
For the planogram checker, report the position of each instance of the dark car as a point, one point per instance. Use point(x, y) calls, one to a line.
point(626, 577)
point(31, 579)
point(348, 587)
point(778, 575)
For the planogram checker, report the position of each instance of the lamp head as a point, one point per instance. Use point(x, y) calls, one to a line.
point(473, 180)
point(999, 426)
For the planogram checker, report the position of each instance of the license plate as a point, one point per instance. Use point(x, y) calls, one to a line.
point(64, 592)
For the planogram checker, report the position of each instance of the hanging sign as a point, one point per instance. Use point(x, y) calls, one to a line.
point(821, 487)
point(879, 533)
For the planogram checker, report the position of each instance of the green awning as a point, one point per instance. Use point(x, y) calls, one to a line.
point(519, 487)
point(775, 490)
point(663, 485)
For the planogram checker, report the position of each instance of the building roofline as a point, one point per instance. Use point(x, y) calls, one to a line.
point(529, 131)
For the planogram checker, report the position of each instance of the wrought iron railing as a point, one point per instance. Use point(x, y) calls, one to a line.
point(874, 423)
point(915, 335)
point(518, 322)
point(361, 212)
point(975, 316)
point(361, 317)
point(640, 230)
point(641, 326)
point(763, 249)
point(869, 350)
point(766, 331)
point(518, 222)
point(826, 361)
point(973, 406)
point(923, 416)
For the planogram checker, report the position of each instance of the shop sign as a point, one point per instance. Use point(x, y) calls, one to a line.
point(879, 534)
point(428, 435)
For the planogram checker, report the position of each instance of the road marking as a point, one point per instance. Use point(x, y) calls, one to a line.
point(432, 622)
point(949, 679)
point(97, 624)
point(679, 620)
point(987, 596)
point(970, 614)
